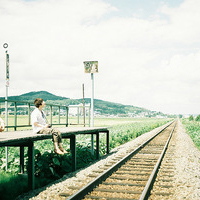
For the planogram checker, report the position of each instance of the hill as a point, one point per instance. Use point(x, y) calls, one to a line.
point(100, 107)
point(31, 96)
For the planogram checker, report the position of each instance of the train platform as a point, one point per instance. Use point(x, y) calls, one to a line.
point(27, 138)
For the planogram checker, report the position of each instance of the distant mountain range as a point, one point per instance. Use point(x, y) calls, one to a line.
point(100, 107)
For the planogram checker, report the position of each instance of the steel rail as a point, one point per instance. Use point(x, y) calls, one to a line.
point(150, 182)
point(90, 186)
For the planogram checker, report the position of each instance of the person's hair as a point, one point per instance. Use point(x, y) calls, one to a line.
point(38, 102)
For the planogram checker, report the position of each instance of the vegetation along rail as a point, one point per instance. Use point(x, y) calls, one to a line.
point(132, 176)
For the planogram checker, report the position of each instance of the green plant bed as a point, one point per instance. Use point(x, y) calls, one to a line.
point(12, 185)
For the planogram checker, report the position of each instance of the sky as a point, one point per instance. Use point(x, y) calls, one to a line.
point(148, 52)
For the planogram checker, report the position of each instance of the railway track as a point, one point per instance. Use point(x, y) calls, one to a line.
point(137, 175)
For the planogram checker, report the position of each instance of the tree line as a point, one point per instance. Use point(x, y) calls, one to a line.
point(191, 118)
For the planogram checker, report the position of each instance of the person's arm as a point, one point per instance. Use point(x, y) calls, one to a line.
point(2, 125)
point(39, 125)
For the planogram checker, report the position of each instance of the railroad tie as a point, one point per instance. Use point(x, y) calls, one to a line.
point(162, 193)
point(117, 191)
point(128, 178)
point(105, 198)
point(124, 184)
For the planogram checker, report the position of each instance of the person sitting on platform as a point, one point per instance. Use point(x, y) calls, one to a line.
point(40, 126)
point(2, 125)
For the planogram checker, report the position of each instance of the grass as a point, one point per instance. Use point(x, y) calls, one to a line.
point(193, 130)
point(12, 185)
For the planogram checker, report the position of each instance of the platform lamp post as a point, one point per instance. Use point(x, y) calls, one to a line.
point(5, 45)
point(91, 67)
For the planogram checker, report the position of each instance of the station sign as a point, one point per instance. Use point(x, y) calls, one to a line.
point(91, 66)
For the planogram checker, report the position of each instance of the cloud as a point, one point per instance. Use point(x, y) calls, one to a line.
point(152, 63)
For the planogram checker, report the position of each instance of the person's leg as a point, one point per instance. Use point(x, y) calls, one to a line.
point(61, 148)
point(57, 149)
point(56, 133)
point(55, 139)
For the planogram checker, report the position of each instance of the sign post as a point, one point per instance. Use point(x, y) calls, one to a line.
point(91, 67)
point(6, 98)
point(7, 85)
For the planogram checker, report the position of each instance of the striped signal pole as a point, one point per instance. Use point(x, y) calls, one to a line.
point(7, 85)
point(6, 97)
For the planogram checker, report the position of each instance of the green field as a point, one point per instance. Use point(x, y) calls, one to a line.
point(98, 122)
point(193, 130)
point(50, 166)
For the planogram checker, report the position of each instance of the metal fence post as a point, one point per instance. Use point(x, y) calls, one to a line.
point(15, 113)
point(89, 117)
point(59, 114)
point(67, 113)
point(77, 114)
point(51, 114)
point(29, 114)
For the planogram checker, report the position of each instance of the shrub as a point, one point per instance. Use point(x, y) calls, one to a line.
point(198, 118)
point(191, 118)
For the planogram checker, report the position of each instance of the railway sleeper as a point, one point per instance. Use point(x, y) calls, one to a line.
point(128, 178)
point(105, 198)
point(168, 175)
point(139, 167)
point(136, 169)
point(120, 188)
point(114, 195)
point(167, 167)
point(123, 184)
point(144, 159)
point(141, 158)
point(167, 171)
point(131, 173)
point(164, 186)
point(150, 153)
point(142, 164)
point(162, 193)
point(117, 191)
point(164, 180)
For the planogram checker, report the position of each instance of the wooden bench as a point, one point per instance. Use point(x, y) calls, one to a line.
point(27, 138)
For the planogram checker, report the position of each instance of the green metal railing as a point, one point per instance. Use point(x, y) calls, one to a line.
point(19, 114)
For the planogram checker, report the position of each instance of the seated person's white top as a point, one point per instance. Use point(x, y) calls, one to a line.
point(39, 117)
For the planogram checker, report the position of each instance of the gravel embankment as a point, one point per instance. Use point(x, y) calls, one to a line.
point(188, 167)
point(187, 163)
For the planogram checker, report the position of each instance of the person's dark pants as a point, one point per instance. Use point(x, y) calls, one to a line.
point(55, 134)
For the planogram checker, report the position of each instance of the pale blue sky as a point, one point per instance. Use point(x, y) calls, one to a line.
point(148, 50)
point(142, 8)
